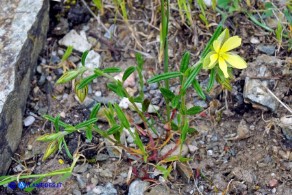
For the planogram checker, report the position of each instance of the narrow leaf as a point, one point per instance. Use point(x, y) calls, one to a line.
point(128, 72)
point(122, 116)
point(51, 149)
point(68, 76)
point(198, 89)
point(114, 129)
point(112, 70)
point(83, 57)
point(167, 94)
point(84, 82)
point(85, 123)
point(192, 76)
point(67, 53)
point(211, 79)
point(164, 76)
point(184, 62)
point(94, 111)
point(194, 110)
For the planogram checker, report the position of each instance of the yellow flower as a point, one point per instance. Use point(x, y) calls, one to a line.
point(221, 54)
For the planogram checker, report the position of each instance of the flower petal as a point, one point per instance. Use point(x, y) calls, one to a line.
point(223, 36)
point(216, 46)
point(219, 41)
point(223, 67)
point(210, 60)
point(235, 60)
point(231, 43)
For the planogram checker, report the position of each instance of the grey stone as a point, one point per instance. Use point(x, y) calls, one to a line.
point(81, 168)
point(101, 157)
point(104, 190)
point(23, 28)
point(78, 42)
point(267, 49)
point(255, 88)
point(138, 187)
point(159, 190)
point(76, 192)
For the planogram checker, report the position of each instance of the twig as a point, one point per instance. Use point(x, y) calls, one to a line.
point(96, 17)
point(271, 93)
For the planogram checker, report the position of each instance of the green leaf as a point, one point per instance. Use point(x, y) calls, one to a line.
point(288, 15)
point(83, 57)
point(84, 82)
point(175, 101)
point(56, 123)
point(211, 79)
point(114, 129)
point(52, 137)
point(194, 72)
point(167, 94)
point(67, 53)
point(223, 3)
point(145, 105)
point(128, 72)
point(86, 123)
point(52, 119)
point(254, 20)
point(117, 89)
point(173, 126)
point(51, 149)
point(88, 133)
point(112, 70)
point(185, 62)
point(67, 149)
point(194, 110)
point(94, 111)
point(122, 117)
point(68, 76)
point(184, 131)
point(198, 89)
point(81, 93)
point(164, 76)
point(140, 61)
point(222, 80)
point(279, 32)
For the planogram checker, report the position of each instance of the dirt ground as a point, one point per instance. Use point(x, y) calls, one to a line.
point(239, 148)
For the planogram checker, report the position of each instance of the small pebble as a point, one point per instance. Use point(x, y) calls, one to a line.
point(254, 40)
point(97, 93)
point(273, 183)
point(28, 121)
point(76, 192)
point(29, 147)
point(210, 152)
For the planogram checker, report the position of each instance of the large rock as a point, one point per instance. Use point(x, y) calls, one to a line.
point(23, 29)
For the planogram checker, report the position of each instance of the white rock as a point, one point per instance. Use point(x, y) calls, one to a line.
point(210, 152)
point(138, 187)
point(28, 121)
point(97, 93)
point(254, 40)
point(78, 42)
point(208, 3)
point(93, 60)
point(176, 152)
point(124, 103)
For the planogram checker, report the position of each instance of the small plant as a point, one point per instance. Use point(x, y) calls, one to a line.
point(217, 51)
